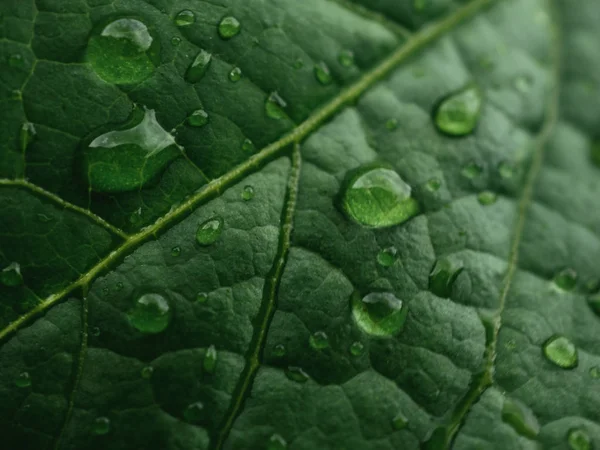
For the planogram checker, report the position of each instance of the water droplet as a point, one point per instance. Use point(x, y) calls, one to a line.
point(23, 380)
point(578, 439)
point(377, 198)
point(346, 58)
point(319, 340)
point(175, 41)
point(322, 73)
point(472, 170)
point(130, 157)
point(198, 118)
point(487, 198)
point(210, 359)
point(147, 372)
point(194, 412)
point(100, 426)
point(277, 442)
point(357, 348)
point(16, 60)
point(595, 153)
point(566, 279)
point(235, 74)
point(11, 275)
point(298, 64)
point(247, 193)
point(387, 256)
point(391, 124)
point(119, 286)
point(296, 374)
point(123, 52)
point(399, 421)
point(279, 350)
point(209, 231)
point(248, 145)
point(27, 135)
point(201, 297)
point(443, 275)
point(520, 418)
point(176, 251)
point(506, 169)
point(433, 185)
point(185, 18)
point(95, 331)
point(595, 372)
point(199, 67)
point(458, 114)
point(560, 351)
point(274, 106)
point(379, 313)
point(229, 27)
point(151, 313)
point(523, 83)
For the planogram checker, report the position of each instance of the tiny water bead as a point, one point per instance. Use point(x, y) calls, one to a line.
point(274, 106)
point(387, 256)
point(565, 280)
point(16, 60)
point(147, 372)
point(560, 351)
point(523, 83)
point(458, 114)
point(277, 442)
point(95, 331)
point(176, 251)
point(185, 18)
point(199, 67)
point(209, 231)
point(443, 275)
point(100, 426)
point(357, 348)
point(198, 118)
point(520, 418)
point(399, 421)
point(487, 198)
point(175, 41)
point(379, 313)
point(11, 275)
point(235, 74)
point(248, 145)
point(201, 297)
point(595, 372)
point(229, 27)
point(247, 193)
point(194, 412)
point(391, 124)
point(377, 197)
point(323, 74)
point(210, 359)
point(150, 314)
point(23, 380)
point(346, 58)
point(123, 52)
point(279, 350)
point(433, 185)
point(506, 170)
point(578, 439)
point(296, 374)
point(472, 170)
point(319, 340)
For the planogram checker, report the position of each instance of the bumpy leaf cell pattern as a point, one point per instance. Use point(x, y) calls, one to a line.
point(207, 302)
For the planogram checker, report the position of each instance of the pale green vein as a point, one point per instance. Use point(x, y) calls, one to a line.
point(375, 17)
point(347, 96)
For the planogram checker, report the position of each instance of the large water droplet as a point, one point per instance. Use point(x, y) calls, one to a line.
point(319, 340)
point(274, 106)
point(357, 348)
point(199, 67)
point(443, 275)
point(150, 314)
point(560, 351)
point(578, 439)
point(520, 418)
point(130, 157)
point(210, 359)
point(378, 197)
point(11, 275)
point(100, 426)
point(387, 256)
point(235, 74)
point(23, 380)
point(379, 313)
point(209, 231)
point(566, 279)
point(277, 442)
point(194, 412)
point(185, 18)
point(229, 27)
point(296, 374)
point(346, 58)
point(322, 73)
point(123, 52)
point(198, 118)
point(458, 114)
point(399, 421)
point(487, 198)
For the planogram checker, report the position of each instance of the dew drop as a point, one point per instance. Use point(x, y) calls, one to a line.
point(199, 67)
point(235, 74)
point(319, 340)
point(443, 275)
point(472, 170)
point(565, 280)
point(298, 64)
point(176, 251)
point(123, 52)
point(458, 114)
point(23, 380)
point(11, 275)
point(296, 374)
point(95, 331)
point(391, 124)
point(100, 426)
point(16, 60)
point(147, 372)
point(229, 27)
point(119, 286)
point(560, 351)
point(377, 197)
point(274, 106)
point(506, 170)
point(379, 313)
point(198, 118)
point(185, 18)
point(346, 58)
point(523, 83)
point(194, 412)
point(323, 74)
point(247, 193)
point(595, 372)
point(175, 41)
point(150, 314)
point(279, 350)
point(210, 359)
point(399, 421)
point(201, 297)
point(248, 145)
point(520, 418)
point(209, 231)
point(487, 198)
point(433, 185)
point(357, 348)
point(277, 442)
point(578, 439)
point(387, 256)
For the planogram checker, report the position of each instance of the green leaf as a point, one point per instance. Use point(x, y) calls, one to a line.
point(317, 224)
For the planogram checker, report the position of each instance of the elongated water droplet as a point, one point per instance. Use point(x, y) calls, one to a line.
point(560, 351)
point(357, 348)
point(399, 421)
point(322, 73)
point(248, 145)
point(578, 439)
point(319, 340)
point(387, 256)
point(210, 359)
point(194, 412)
point(229, 27)
point(443, 275)
point(27, 135)
point(235, 74)
point(458, 114)
point(185, 18)
point(147, 372)
point(472, 170)
point(123, 52)
point(150, 314)
point(248, 193)
point(487, 198)
point(199, 67)
point(379, 313)
point(520, 418)
point(277, 442)
point(346, 58)
point(23, 380)
point(198, 118)
point(377, 198)
point(100, 426)
point(11, 275)
point(129, 157)
point(566, 279)
point(296, 374)
point(391, 124)
point(279, 350)
point(201, 297)
point(209, 231)
point(433, 185)
point(274, 106)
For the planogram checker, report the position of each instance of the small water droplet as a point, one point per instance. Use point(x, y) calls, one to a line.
point(379, 313)
point(322, 73)
point(377, 197)
point(274, 106)
point(100, 426)
point(150, 314)
point(175, 41)
point(247, 193)
point(506, 169)
point(578, 439)
point(147, 372)
point(296, 374)
point(201, 297)
point(95, 331)
point(235, 74)
point(23, 380)
point(229, 27)
point(277, 442)
point(136, 216)
point(399, 421)
point(487, 198)
point(298, 64)
point(209, 231)
point(279, 350)
point(565, 280)
point(346, 58)
point(210, 359)
point(523, 83)
point(391, 124)
point(198, 118)
point(176, 251)
point(11, 275)
point(185, 18)
point(194, 412)
point(595, 372)
point(248, 145)
point(458, 114)
point(433, 185)
point(560, 351)
point(443, 275)
point(387, 256)
point(357, 348)
point(520, 418)
point(27, 135)
point(119, 286)
point(472, 170)
point(319, 340)
point(199, 67)
point(123, 52)
point(16, 60)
